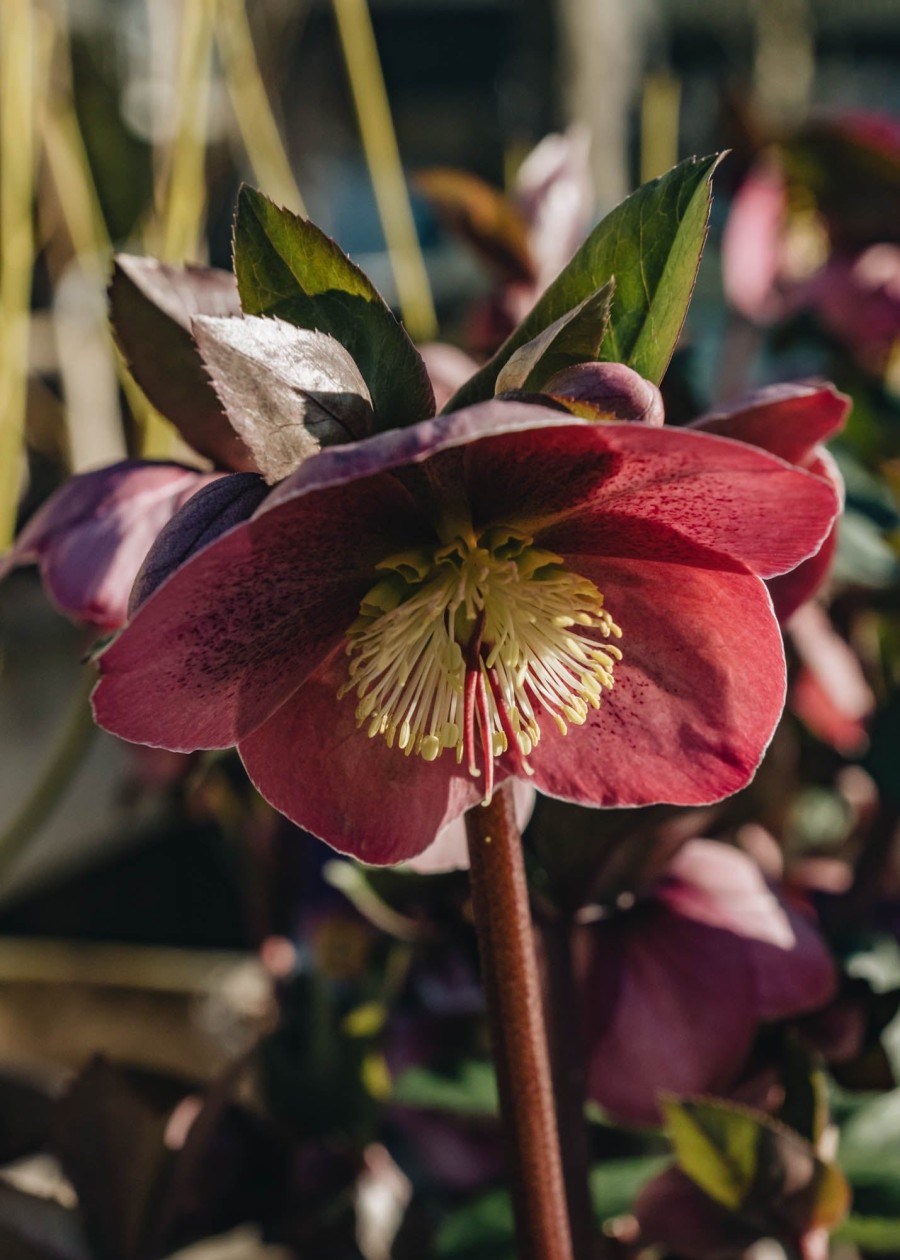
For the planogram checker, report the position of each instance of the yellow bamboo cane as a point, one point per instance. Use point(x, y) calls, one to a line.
point(17, 92)
point(252, 110)
point(385, 168)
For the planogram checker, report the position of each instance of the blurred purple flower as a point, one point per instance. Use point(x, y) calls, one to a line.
point(675, 989)
point(90, 538)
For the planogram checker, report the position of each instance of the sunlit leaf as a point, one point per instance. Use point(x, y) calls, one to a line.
point(152, 305)
point(287, 391)
point(574, 338)
point(651, 244)
point(288, 267)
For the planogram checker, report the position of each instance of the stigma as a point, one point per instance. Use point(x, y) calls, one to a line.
point(466, 648)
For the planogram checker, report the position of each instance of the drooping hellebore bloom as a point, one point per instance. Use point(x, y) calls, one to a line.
point(504, 591)
point(674, 990)
point(90, 538)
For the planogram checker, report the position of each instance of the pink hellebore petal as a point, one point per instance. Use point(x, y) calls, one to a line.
point(830, 694)
point(376, 643)
point(90, 538)
point(791, 421)
point(753, 246)
point(857, 299)
point(675, 989)
point(448, 368)
point(555, 191)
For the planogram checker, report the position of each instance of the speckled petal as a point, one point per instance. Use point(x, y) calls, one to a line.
point(311, 761)
point(583, 486)
point(697, 694)
point(237, 629)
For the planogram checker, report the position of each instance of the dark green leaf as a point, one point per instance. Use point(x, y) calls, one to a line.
point(111, 1146)
point(875, 1235)
point(151, 308)
point(805, 1106)
point(288, 267)
point(873, 1130)
point(652, 244)
point(574, 338)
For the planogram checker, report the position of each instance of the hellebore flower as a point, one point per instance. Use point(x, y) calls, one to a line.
point(91, 537)
point(673, 990)
point(499, 592)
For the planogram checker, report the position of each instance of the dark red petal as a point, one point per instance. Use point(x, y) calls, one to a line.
point(90, 537)
point(786, 420)
point(696, 696)
point(234, 631)
point(579, 487)
point(796, 587)
point(314, 765)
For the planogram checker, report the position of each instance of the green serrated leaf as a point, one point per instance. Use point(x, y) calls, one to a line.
point(754, 1165)
point(470, 1090)
point(574, 338)
point(716, 1146)
point(288, 267)
point(652, 244)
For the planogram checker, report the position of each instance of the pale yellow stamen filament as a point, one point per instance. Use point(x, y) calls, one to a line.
point(535, 646)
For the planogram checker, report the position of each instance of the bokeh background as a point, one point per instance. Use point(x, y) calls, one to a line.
point(151, 905)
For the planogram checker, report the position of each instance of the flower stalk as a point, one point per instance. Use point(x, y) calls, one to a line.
point(518, 1035)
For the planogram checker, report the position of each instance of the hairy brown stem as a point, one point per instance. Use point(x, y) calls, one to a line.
point(518, 1035)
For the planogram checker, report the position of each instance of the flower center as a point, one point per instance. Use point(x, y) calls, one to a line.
point(471, 643)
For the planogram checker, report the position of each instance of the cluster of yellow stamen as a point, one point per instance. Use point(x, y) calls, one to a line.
point(488, 632)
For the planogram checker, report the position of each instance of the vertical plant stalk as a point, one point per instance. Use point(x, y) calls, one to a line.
point(518, 1035)
point(68, 170)
point(181, 191)
point(17, 91)
point(250, 101)
point(176, 232)
point(379, 141)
